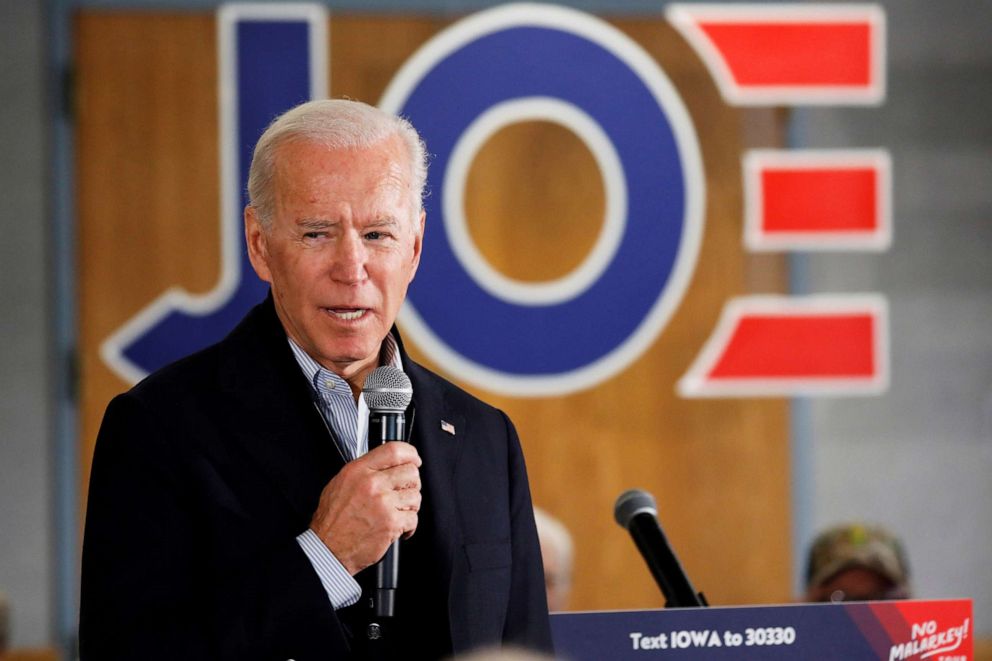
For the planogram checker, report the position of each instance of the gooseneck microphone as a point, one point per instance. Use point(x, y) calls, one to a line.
point(635, 510)
point(387, 393)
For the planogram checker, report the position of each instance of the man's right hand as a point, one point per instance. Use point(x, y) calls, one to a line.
point(369, 504)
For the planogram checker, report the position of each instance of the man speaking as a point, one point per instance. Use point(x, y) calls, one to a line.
point(235, 510)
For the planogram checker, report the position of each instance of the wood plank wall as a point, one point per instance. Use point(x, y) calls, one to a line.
point(148, 205)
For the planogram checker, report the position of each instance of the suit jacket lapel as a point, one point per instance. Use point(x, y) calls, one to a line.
point(272, 411)
point(439, 450)
point(273, 416)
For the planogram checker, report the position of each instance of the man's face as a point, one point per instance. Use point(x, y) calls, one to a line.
point(342, 247)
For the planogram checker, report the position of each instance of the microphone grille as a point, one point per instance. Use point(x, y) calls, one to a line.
point(387, 389)
point(631, 503)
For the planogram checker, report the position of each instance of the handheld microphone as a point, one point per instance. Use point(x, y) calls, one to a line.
point(635, 510)
point(387, 393)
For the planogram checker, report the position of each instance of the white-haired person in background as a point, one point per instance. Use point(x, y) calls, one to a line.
point(557, 551)
point(504, 654)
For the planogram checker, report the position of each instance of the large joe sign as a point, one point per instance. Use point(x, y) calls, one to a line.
point(522, 63)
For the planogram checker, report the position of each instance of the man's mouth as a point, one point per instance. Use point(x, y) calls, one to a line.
point(347, 314)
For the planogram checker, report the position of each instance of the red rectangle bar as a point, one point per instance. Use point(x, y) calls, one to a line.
point(794, 53)
point(782, 54)
point(784, 346)
point(810, 199)
point(814, 346)
point(820, 200)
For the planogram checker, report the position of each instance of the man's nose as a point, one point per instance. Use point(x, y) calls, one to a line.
point(350, 259)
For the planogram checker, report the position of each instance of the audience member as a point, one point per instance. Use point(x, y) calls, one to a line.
point(557, 551)
point(856, 562)
point(504, 654)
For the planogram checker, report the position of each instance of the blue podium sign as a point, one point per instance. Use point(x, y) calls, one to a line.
point(890, 630)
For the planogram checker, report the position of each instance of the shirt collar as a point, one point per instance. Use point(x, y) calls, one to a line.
point(325, 381)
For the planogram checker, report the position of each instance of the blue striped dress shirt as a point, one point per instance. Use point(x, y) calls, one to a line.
point(348, 423)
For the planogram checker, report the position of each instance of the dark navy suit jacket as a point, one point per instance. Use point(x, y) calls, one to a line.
point(205, 473)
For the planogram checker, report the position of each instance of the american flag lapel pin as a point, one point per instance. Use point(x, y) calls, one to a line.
point(448, 427)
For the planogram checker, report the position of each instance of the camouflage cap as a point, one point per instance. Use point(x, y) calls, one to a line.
point(856, 545)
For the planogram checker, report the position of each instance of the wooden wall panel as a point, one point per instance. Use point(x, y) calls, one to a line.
point(147, 178)
point(148, 202)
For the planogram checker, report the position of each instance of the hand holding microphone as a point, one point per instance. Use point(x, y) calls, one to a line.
point(388, 392)
point(368, 504)
point(373, 501)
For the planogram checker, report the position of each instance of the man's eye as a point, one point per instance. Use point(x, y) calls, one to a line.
point(314, 235)
point(374, 236)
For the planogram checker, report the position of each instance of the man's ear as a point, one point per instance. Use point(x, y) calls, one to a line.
point(255, 238)
point(418, 244)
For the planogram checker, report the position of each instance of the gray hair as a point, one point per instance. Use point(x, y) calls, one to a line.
point(336, 124)
point(555, 535)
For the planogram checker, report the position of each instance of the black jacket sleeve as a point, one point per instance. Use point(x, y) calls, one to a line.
point(157, 583)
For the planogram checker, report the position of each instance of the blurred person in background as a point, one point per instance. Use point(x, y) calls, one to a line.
point(856, 562)
point(557, 551)
point(504, 654)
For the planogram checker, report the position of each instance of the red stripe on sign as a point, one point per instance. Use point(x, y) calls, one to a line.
point(819, 200)
point(772, 54)
point(799, 346)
